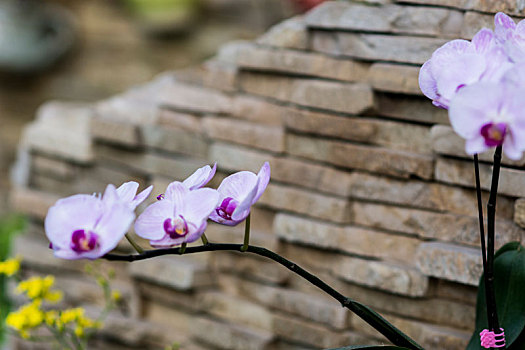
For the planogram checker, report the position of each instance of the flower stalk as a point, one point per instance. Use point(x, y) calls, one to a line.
point(491, 220)
point(246, 234)
point(375, 320)
point(134, 244)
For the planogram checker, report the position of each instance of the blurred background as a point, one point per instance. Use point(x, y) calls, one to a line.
point(89, 50)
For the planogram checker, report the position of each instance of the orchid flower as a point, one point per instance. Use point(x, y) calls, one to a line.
point(489, 115)
point(460, 63)
point(127, 193)
point(88, 226)
point(238, 192)
point(511, 36)
point(198, 179)
point(180, 217)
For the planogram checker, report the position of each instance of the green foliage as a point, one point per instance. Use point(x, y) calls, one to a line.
point(9, 226)
point(509, 283)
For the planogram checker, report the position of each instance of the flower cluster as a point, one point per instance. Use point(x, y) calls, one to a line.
point(89, 226)
point(482, 83)
point(68, 326)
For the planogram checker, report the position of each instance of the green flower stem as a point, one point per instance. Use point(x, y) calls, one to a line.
point(204, 239)
point(368, 315)
point(246, 234)
point(182, 248)
point(137, 248)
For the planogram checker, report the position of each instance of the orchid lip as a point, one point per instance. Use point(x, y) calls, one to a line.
point(160, 197)
point(176, 228)
point(494, 133)
point(84, 241)
point(227, 207)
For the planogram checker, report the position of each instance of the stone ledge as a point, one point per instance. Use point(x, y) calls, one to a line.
point(389, 18)
point(450, 262)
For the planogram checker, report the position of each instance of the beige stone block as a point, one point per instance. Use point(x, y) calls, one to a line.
point(410, 108)
point(307, 333)
point(319, 178)
point(519, 212)
point(492, 6)
point(373, 159)
point(300, 201)
point(290, 34)
point(115, 131)
point(171, 94)
point(32, 202)
point(182, 121)
point(425, 224)
point(257, 110)
point(395, 78)
point(329, 95)
point(214, 73)
point(134, 107)
point(376, 47)
point(172, 166)
point(180, 273)
point(175, 140)
point(162, 318)
point(224, 335)
point(349, 239)
point(61, 130)
point(457, 172)
point(269, 138)
point(431, 309)
point(236, 158)
point(445, 141)
point(53, 167)
point(389, 18)
point(180, 300)
point(450, 262)
point(236, 310)
point(250, 266)
point(424, 195)
point(300, 63)
point(380, 132)
point(462, 293)
point(394, 278)
point(318, 309)
point(473, 22)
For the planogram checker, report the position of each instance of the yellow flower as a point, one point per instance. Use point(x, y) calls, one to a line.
point(71, 315)
point(116, 296)
point(79, 331)
point(10, 266)
point(37, 288)
point(25, 318)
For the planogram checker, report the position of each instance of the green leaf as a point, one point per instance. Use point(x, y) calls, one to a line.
point(371, 347)
point(509, 283)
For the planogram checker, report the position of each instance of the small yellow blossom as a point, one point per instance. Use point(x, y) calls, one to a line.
point(71, 315)
point(37, 288)
point(79, 331)
point(116, 296)
point(25, 318)
point(10, 266)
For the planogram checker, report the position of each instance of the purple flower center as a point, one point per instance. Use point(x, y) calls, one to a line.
point(176, 228)
point(160, 197)
point(225, 210)
point(84, 241)
point(494, 133)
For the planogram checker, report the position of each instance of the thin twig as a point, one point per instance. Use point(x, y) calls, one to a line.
point(246, 234)
point(137, 248)
point(368, 315)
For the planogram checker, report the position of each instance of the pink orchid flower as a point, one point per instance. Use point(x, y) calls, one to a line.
point(488, 115)
point(511, 36)
point(180, 217)
point(238, 192)
point(127, 193)
point(198, 179)
point(460, 63)
point(88, 226)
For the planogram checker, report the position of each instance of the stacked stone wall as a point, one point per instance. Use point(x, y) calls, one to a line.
point(371, 189)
